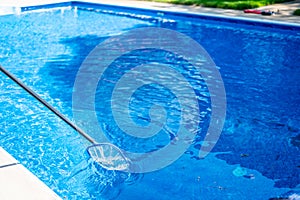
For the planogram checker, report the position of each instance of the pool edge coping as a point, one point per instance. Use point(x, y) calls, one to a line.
point(25, 180)
point(202, 15)
point(217, 17)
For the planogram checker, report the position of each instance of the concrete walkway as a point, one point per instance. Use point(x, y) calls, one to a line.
point(16, 182)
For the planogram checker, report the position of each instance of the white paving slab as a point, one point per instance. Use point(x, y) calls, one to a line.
point(17, 183)
point(6, 158)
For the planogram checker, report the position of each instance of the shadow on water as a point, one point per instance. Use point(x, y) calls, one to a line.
point(260, 73)
point(63, 68)
point(265, 141)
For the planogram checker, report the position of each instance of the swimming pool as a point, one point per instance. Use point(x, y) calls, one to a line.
point(258, 148)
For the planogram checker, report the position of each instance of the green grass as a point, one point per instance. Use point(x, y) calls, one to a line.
point(297, 12)
point(228, 4)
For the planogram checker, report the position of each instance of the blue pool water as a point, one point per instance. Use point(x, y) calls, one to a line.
point(256, 157)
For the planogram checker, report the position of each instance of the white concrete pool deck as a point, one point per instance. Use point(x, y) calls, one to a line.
point(16, 182)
